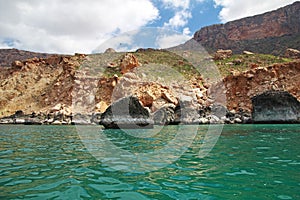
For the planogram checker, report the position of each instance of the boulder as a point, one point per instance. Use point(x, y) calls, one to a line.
point(146, 98)
point(96, 118)
point(203, 120)
point(19, 113)
point(80, 119)
point(6, 120)
point(33, 121)
point(126, 113)
point(292, 53)
point(165, 115)
point(17, 64)
point(222, 54)
point(169, 97)
point(186, 115)
point(248, 53)
point(128, 62)
point(219, 110)
point(110, 50)
point(213, 119)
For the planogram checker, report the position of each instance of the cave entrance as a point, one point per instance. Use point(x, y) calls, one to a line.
point(275, 107)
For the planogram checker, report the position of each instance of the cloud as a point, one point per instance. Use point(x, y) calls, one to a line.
point(175, 4)
point(181, 10)
point(145, 38)
point(122, 42)
point(70, 26)
point(167, 41)
point(180, 19)
point(236, 9)
point(186, 31)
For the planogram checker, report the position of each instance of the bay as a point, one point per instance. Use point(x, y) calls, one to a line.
point(58, 162)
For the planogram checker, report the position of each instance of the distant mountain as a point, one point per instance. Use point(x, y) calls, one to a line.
point(7, 56)
point(270, 33)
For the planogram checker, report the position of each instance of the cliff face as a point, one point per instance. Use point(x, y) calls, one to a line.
point(78, 84)
point(81, 84)
point(37, 83)
point(271, 32)
point(241, 87)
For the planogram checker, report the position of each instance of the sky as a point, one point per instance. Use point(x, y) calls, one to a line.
point(77, 26)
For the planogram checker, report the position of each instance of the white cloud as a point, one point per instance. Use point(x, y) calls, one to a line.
point(236, 9)
point(167, 41)
point(70, 26)
point(181, 10)
point(186, 31)
point(180, 19)
point(175, 4)
point(119, 43)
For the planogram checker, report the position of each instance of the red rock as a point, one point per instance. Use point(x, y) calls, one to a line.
point(128, 62)
point(235, 35)
point(146, 98)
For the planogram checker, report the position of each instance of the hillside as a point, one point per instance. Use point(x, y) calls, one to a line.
point(7, 56)
point(269, 33)
point(89, 83)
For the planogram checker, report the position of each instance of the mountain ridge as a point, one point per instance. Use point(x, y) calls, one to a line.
point(271, 32)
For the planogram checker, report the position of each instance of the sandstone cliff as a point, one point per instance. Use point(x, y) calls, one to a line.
point(269, 33)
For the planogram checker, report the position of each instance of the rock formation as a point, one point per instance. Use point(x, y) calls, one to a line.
point(128, 62)
point(126, 113)
point(84, 89)
point(241, 87)
point(222, 54)
point(110, 50)
point(269, 33)
point(292, 53)
point(275, 107)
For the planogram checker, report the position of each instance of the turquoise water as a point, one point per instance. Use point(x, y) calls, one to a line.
point(247, 162)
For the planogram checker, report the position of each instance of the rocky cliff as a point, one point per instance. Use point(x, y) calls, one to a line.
point(87, 83)
point(61, 89)
point(240, 87)
point(270, 33)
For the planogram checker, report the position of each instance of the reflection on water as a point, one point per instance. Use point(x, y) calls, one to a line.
point(248, 162)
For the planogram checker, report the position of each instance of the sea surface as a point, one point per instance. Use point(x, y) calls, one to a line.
point(57, 162)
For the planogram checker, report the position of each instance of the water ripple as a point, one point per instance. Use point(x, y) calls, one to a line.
point(51, 162)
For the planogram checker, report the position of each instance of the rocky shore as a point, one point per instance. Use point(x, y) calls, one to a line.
point(128, 112)
point(66, 90)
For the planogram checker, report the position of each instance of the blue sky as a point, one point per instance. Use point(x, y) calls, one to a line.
point(70, 26)
point(202, 14)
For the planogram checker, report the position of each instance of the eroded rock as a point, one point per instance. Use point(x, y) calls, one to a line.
point(126, 113)
point(275, 107)
point(128, 62)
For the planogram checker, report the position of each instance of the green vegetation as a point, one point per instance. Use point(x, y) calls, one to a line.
point(243, 62)
point(168, 58)
point(107, 65)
